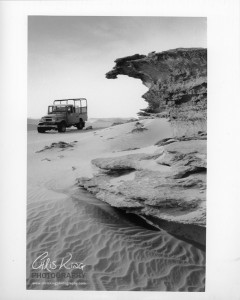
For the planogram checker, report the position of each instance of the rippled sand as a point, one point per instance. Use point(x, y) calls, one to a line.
point(119, 251)
point(119, 254)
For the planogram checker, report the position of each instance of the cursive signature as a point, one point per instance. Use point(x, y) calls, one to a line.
point(43, 262)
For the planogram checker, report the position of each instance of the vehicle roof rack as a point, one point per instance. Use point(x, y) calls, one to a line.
point(71, 99)
point(74, 99)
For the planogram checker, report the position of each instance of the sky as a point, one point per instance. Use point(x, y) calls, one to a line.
point(69, 56)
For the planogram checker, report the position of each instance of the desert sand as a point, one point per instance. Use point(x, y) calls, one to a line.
point(118, 249)
point(128, 201)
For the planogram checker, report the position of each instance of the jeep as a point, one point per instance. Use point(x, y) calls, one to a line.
point(64, 113)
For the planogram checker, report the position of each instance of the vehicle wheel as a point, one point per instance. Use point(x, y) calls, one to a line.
point(62, 127)
point(41, 130)
point(80, 125)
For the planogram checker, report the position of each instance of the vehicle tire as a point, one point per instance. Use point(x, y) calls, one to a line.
point(80, 125)
point(41, 130)
point(62, 127)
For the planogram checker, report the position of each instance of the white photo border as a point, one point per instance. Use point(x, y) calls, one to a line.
point(223, 256)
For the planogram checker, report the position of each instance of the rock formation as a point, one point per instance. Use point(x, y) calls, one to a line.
point(166, 187)
point(177, 81)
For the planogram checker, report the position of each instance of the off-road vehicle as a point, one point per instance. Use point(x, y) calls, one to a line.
point(64, 113)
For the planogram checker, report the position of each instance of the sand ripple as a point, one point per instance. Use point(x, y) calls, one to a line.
point(119, 254)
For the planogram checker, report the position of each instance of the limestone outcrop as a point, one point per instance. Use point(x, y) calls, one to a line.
point(166, 186)
point(177, 81)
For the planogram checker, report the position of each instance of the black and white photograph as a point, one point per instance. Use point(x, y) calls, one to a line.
point(119, 149)
point(117, 167)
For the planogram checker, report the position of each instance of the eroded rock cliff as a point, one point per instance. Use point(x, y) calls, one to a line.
point(177, 81)
point(165, 185)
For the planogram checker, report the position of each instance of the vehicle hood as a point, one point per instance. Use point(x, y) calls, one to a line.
point(54, 115)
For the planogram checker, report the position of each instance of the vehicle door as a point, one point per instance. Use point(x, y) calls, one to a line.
point(72, 116)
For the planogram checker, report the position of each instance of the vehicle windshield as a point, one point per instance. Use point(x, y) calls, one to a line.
point(57, 109)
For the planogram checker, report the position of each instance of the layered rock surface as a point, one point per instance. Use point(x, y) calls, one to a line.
point(177, 81)
point(166, 187)
point(164, 183)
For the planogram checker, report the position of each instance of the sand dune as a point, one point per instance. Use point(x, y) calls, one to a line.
point(119, 251)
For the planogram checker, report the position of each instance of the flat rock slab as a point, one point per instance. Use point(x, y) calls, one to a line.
point(168, 186)
point(60, 145)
